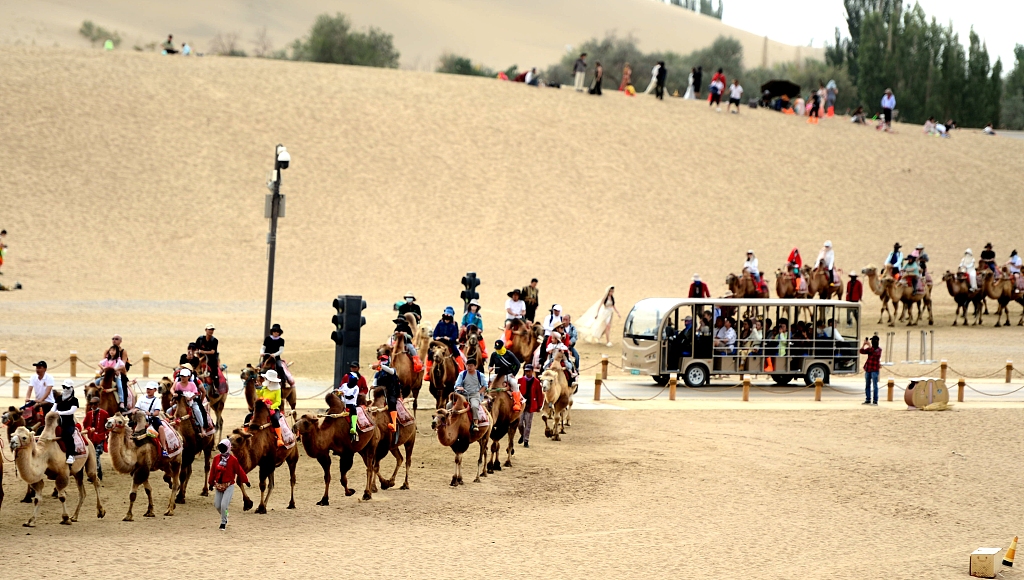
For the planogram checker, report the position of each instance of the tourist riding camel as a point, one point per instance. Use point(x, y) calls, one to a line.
point(471, 384)
point(134, 451)
point(1013, 266)
point(827, 260)
point(255, 445)
point(443, 372)
point(895, 260)
point(386, 377)
point(471, 318)
point(505, 366)
point(1001, 288)
point(447, 331)
point(410, 307)
point(404, 437)
point(750, 267)
point(967, 267)
point(404, 331)
point(988, 259)
point(457, 429)
point(515, 310)
point(194, 442)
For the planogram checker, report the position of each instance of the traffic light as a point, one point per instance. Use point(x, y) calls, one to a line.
point(347, 322)
point(470, 281)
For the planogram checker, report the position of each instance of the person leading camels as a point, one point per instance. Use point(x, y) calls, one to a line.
point(596, 321)
point(505, 366)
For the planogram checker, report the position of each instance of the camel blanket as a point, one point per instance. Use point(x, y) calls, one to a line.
point(80, 445)
point(287, 435)
point(404, 416)
point(364, 422)
point(173, 441)
point(482, 417)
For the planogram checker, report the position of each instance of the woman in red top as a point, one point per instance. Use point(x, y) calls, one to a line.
point(95, 428)
point(225, 471)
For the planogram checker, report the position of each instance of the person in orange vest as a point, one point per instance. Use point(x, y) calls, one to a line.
point(854, 292)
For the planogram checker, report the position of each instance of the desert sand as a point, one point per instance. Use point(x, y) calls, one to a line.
point(133, 195)
point(496, 34)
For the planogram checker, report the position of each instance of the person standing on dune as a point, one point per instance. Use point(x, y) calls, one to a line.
point(659, 91)
point(698, 76)
point(580, 70)
point(595, 86)
point(3, 248)
point(654, 79)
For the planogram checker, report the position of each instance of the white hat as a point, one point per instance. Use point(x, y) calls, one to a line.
point(152, 385)
point(828, 243)
point(919, 247)
point(557, 307)
point(210, 326)
point(184, 373)
point(272, 378)
point(969, 252)
point(68, 384)
point(474, 302)
point(696, 277)
point(409, 295)
point(750, 251)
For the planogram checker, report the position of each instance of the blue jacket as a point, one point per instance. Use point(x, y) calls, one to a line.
point(473, 318)
point(447, 329)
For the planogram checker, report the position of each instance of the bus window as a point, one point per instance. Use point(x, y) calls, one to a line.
point(703, 321)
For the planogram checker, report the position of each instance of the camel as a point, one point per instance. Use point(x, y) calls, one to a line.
point(410, 382)
point(818, 284)
point(1000, 289)
point(406, 438)
point(743, 286)
point(105, 391)
point(255, 444)
point(215, 397)
point(133, 452)
point(44, 459)
point(505, 423)
point(319, 439)
point(14, 418)
point(443, 372)
point(557, 398)
point(422, 339)
point(525, 339)
point(193, 443)
point(902, 293)
point(786, 287)
point(880, 287)
point(453, 430)
point(960, 290)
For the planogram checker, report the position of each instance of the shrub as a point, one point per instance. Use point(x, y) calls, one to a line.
point(98, 34)
point(332, 40)
point(460, 65)
point(226, 45)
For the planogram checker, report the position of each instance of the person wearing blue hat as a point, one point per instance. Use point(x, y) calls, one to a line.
point(447, 331)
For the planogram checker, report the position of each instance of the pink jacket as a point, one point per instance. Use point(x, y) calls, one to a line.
point(188, 387)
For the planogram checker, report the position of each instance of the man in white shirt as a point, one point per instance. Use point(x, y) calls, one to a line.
point(735, 94)
point(553, 319)
point(42, 388)
point(515, 309)
point(888, 104)
point(725, 338)
point(751, 266)
point(831, 331)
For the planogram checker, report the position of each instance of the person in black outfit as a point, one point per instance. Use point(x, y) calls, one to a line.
point(988, 258)
point(410, 306)
point(697, 76)
point(66, 406)
point(659, 90)
point(387, 377)
point(505, 363)
point(273, 345)
point(207, 344)
point(190, 357)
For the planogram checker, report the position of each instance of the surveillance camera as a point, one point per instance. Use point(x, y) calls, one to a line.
point(283, 158)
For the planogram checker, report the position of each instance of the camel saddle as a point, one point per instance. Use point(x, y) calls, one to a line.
point(482, 417)
point(404, 416)
point(173, 441)
point(80, 444)
point(287, 435)
point(364, 422)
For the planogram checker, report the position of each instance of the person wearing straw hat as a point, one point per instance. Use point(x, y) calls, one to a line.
point(225, 472)
point(65, 408)
point(698, 289)
point(410, 306)
point(270, 392)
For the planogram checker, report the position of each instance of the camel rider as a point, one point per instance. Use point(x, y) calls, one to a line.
point(470, 384)
point(912, 275)
point(572, 336)
point(557, 343)
point(270, 392)
point(191, 357)
point(387, 377)
point(750, 265)
point(1013, 265)
point(402, 326)
point(922, 258)
point(553, 319)
point(273, 345)
point(348, 392)
point(410, 306)
point(65, 407)
point(447, 332)
point(827, 259)
point(151, 406)
point(472, 317)
point(353, 373)
point(895, 260)
point(515, 309)
point(505, 365)
point(186, 387)
point(967, 267)
point(988, 258)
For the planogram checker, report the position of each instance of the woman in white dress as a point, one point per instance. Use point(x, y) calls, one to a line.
point(595, 324)
point(688, 95)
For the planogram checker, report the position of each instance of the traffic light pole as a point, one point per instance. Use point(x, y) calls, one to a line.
point(275, 205)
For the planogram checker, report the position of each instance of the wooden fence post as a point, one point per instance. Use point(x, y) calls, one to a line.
point(16, 381)
point(960, 390)
point(1009, 369)
point(746, 390)
point(3, 363)
point(817, 389)
point(672, 389)
point(942, 369)
point(74, 363)
point(890, 386)
point(597, 388)
point(145, 364)
point(604, 367)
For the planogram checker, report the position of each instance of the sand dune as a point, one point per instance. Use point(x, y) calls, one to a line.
point(498, 34)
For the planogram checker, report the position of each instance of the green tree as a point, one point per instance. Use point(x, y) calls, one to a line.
point(331, 39)
point(460, 65)
point(1012, 102)
point(705, 8)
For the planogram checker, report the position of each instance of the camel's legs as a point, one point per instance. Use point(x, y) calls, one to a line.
point(206, 472)
point(457, 476)
point(325, 464)
point(291, 469)
point(480, 470)
point(149, 499)
point(368, 460)
point(270, 490)
point(492, 458)
point(80, 483)
point(246, 500)
point(408, 461)
point(175, 485)
point(508, 448)
point(398, 456)
point(62, 496)
point(37, 487)
point(129, 517)
point(343, 466)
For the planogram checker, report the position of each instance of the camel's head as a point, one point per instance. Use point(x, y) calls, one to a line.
point(22, 438)
point(547, 378)
point(166, 384)
point(438, 351)
point(730, 280)
point(869, 270)
point(247, 373)
point(117, 423)
point(385, 349)
point(947, 276)
point(305, 423)
point(9, 415)
point(239, 439)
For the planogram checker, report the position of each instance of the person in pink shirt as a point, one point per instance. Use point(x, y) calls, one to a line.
point(187, 387)
point(112, 360)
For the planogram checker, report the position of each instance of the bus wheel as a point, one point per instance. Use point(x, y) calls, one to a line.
point(662, 380)
point(696, 376)
point(782, 380)
point(816, 372)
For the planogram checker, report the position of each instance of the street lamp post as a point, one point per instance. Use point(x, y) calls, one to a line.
point(281, 162)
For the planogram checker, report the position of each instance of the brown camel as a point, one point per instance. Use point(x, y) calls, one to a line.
point(902, 293)
point(406, 438)
point(408, 380)
point(453, 430)
point(14, 418)
point(1000, 289)
point(44, 459)
point(215, 397)
point(473, 350)
point(105, 391)
point(422, 339)
point(319, 439)
point(443, 372)
point(525, 339)
point(744, 286)
point(505, 423)
point(134, 452)
point(818, 284)
point(786, 286)
point(557, 398)
point(879, 285)
point(255, 444)
point(193, 443)
point(960, 289)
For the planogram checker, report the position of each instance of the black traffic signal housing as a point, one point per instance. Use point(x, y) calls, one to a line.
point(348, 320)
point(470, 282)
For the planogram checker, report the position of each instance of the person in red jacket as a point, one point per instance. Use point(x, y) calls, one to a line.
point(854, 292)
point(533, 400)
point(698, 289)
point(225, 471)
point(95, 429)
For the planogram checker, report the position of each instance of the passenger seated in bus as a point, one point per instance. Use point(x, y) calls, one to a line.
point(832, 332)
point(819, 330)
point(725, 338)
point(686, 336)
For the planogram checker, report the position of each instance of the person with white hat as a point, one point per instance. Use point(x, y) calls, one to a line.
point(270, 392)
point(827, 258)
point(207, 344)
point(186, 387)
point(472, 316)
point(553, 319)
point(410, 306)
point(698, 289)
point(65, 408)
point(751, 266)
point(151, 406)
point(967, 267)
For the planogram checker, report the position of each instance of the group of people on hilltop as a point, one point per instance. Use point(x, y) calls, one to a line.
point(168, 47)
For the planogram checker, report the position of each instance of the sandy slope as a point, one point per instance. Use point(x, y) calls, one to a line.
point(496, 33)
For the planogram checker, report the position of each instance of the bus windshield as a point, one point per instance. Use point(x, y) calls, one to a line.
point(645, 317)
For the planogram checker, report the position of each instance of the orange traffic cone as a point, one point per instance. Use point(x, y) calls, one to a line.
point(1010, 553)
